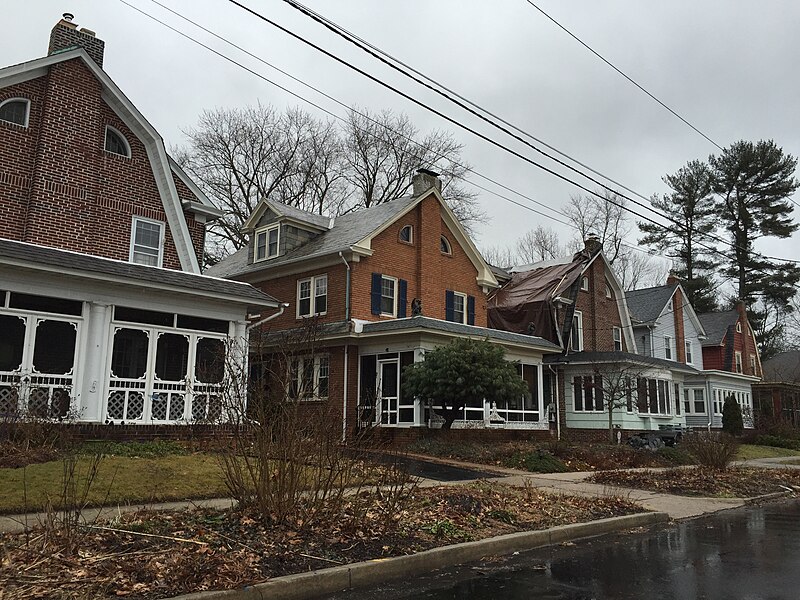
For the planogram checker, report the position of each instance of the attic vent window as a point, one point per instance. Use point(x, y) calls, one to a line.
point(585, 284)
point(407, 234)
point(15, 111)
point(444, 246)
point(116, 143)
point(267, 243)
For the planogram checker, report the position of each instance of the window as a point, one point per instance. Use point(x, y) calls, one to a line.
point(459, 308)
point(689, 357)
point(16, 111)
point(267, 242)
point(116, 143)
point(312, 292)
point(617, 338)
point(738, 356)
point(587, 393)
point(654, 396)
point(576, 332)
point(738, 327)
point(609, 295)
point(670, 306)
point(753, 365)
point(694, 401)
point(444, 246)
point(585, 284)
point(147, 242)
point(407, 234)
point(388, 296)
point(309, 378)
point(667, 347)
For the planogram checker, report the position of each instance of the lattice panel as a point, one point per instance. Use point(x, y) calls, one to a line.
point(177, 404)
point(199, 408)
point(158, 409)
point(9, 400)
point(115, 408)
point(135, 410)
point(38, 402)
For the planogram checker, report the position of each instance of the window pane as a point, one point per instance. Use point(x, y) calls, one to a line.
point(321, 294)
point(129, 357)
point(14, 112)
point(577, 393)
point(261, 245)
point(148, 234)
point(210, 360)
point(387, 296)
point(54, 349)
point(699, 401)
point(45, 304)
point(323, 377)
point(273, 242)
point(115, 144)
point(458, 308)
point(11, 342)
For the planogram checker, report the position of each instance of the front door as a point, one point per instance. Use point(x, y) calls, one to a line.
point(388, 391)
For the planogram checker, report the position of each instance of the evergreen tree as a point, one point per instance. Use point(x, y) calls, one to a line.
point(753, 183)
point(691, 207)
point(732, 421)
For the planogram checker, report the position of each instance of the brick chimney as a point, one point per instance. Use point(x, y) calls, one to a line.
point(66, 36)
point(672, 279)
point(592, 244)
point(424, 180)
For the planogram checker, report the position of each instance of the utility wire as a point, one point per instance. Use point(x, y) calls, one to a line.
point(368, 48)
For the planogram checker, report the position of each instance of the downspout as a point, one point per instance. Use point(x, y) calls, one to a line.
point(558, 412)
point(346, 346)
point(283, 307)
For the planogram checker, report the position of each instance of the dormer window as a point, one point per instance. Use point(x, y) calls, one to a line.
point(116, 143)
point(267, 242)
point(444, 246)
point(16, 111)
point(407, 234)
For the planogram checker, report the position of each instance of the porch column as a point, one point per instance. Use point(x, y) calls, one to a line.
point(419, 413)
point(93, 382)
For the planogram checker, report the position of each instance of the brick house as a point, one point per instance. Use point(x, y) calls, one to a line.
point(577, 302)
point(777, 395)
point(103, 310)
point(383, 284)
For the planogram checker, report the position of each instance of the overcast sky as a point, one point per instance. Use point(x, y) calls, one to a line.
point(730, 67)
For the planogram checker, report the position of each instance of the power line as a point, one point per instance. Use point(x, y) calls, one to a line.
point(374, 51)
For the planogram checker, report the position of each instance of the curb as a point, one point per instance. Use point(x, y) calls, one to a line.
point(304, 586)
point(767, 497)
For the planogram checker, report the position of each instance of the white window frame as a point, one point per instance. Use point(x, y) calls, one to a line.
point(448, 248)
point(312, 299)
point(738, 327)
point(669, 351)
point(135, 220)
point(737, 362)
point(616, 334)
point(318, 362)
point(577, 318)
point(265, 231)
point(689, 353)
point(689, 407)
point(584, 283)
point(27, 111)
point(464, 308)
point(125, 142)
point(595, 389)
point(609, 293)
point(753, 364)
point(410, 239)
point(394, 303)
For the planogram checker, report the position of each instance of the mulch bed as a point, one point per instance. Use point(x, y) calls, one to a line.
point(227, 549)
point(732, 482)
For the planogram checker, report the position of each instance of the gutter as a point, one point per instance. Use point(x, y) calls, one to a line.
point(283, 307)
point(346, 347)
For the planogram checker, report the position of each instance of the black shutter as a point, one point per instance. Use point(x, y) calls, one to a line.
point(449, 301)
point(402, 287)
point(470, 310)
point(377, 278)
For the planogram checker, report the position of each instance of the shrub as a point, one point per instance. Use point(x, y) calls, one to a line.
point(153, 449)
point(712, 449)
point(676, 456)
point(777, 441)
point(732, 422)
point(538, 461)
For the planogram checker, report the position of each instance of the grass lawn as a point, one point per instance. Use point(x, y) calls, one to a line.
point(120, 479)
point(750, 451)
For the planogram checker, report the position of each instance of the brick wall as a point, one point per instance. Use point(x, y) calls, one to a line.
point(59, 187)
point(600, 314)
point(680, 334)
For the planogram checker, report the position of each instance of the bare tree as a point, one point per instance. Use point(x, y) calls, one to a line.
point(638, 270)
point(540, 243)
point(499, 256)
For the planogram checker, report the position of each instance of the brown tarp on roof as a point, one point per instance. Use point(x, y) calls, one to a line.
point(526, 300)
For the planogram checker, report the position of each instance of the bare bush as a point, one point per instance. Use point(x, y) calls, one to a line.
point(712, 449)
point(285, 459)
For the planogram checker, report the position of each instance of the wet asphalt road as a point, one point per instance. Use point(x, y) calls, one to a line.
point(745, 554)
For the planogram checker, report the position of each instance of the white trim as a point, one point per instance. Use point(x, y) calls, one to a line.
point(443, 241)
point(266, 231)
point(27, 111)
point(738, 362)
point(134, 221)
point(689, 352)
point(669, 348)
point(115, 131)
point(614, 331)
point(584, 283)
point(464, 312)
point(205, 206)
point(396, 284)
point(579, 315)
point(410, 239)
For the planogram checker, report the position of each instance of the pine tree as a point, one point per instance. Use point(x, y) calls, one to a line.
point(732, 421)
point(691, 207)
point(753, 183)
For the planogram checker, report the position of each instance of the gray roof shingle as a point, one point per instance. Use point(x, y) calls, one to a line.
point(304, 216)
point(85, 263)
point(347, 230)
point(645, 305)
point(580, 358)
point(716, 325)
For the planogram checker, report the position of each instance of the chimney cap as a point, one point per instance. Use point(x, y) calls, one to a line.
point(425, 171)
point(68, 17)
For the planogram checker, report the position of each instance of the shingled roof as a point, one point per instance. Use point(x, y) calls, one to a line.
point(346, 231)
point(646, 305)
point(716, 325)
point(87, 266)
